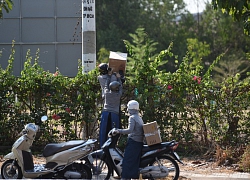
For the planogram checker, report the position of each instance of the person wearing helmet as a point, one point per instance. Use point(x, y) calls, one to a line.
point(103, 68)
point(102, 78)
point(132, 154)
point(110, 116)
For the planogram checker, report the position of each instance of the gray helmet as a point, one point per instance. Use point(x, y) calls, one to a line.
point(114, 86)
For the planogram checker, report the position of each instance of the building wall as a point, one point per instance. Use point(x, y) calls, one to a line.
point(52, 26)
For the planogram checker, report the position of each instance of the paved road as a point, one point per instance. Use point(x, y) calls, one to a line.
point(212, 176)
point(218, 176)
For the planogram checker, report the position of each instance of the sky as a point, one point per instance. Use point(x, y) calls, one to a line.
point(192, 5)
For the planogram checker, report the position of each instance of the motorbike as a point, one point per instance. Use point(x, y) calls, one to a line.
point(62, 159)
point(157, 161)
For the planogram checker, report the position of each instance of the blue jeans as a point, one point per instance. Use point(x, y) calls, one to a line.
point(131, 160)
point(109, 120)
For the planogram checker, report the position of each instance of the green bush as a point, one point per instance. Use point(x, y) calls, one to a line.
point(245, 160)
point(187, 104)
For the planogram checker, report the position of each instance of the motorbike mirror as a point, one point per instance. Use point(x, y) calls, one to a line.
point(44, 118)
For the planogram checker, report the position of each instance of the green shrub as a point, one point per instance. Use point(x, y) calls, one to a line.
point(245, 160)
point(187, 104)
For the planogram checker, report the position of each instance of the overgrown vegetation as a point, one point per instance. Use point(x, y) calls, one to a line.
point(6, 5)
point(188, 105)
point(245, 160)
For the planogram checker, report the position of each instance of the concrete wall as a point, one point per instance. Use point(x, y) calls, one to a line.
point(53, 26)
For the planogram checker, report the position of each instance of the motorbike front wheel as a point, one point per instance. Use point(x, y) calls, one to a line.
point(101, 169)
point(170, 164)
point(10, 170)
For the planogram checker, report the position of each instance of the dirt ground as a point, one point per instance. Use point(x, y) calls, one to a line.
point(205, 166)
point(190, 165)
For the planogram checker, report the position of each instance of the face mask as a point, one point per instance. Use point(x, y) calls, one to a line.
point(132, 111)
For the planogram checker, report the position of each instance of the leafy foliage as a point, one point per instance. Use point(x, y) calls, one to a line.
point(6, 5)
point(67, 101)
point(230, 68)
point(187, 104)
point(7, 102)
point(239, 10)
point(224, 36)
point(115, 19)
point(245, 159)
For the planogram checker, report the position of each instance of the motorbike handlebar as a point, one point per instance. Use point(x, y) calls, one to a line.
point(113, 132)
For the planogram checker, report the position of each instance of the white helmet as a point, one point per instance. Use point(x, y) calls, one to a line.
point(31, 130)
point(133, 104)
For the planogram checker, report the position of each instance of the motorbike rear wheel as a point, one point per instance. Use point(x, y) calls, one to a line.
point(11, 172)
point(170, 163)
point(101, 169)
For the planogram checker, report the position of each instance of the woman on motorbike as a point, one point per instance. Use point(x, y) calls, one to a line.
point(132, 154)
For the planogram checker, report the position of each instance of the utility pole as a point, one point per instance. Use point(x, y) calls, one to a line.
point(88, 35)
point(88, 46)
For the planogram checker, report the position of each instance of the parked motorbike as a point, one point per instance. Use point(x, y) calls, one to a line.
point(157, 161)
point(62, 159)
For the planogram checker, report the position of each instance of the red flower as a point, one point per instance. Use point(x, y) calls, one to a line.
point(169, 87)
point(198, 79)
point(55, 116)
point(67, 110)
point(48, 94)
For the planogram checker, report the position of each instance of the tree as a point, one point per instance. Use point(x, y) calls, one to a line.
point(239, 10)
point(103, 56)
point(224, 35)
point(143, 69)
point(115, 19)
point(230, 67)
point(7, 5)
point(166, 22)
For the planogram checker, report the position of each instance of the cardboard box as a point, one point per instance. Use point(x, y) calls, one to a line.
point(152, 134)
point(117, 62)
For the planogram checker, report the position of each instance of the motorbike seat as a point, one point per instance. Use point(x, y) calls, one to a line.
point(54, 148)
point(147, 148)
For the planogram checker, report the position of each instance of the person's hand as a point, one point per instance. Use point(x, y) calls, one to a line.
point(115, 132)
point(118, 75)
point(110, 71)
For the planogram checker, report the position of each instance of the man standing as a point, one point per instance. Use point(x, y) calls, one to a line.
point(110, 117)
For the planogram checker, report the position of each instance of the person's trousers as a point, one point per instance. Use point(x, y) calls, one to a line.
point(131, 160)
point(109, 120)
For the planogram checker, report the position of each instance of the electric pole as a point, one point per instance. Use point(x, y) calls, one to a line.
point(88, 35)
